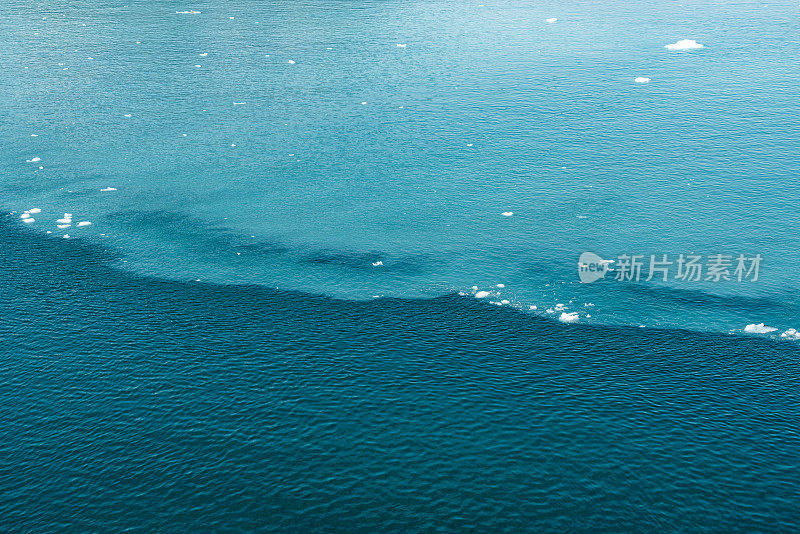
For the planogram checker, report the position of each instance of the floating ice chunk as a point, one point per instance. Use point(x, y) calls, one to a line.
point(25, 215)
point(641, 79)
point(469, 144)
point(33, 160)
point(66, 236)
point(239, 103)
point(759, 328)
point(29, 220)
point(533, 307)
point(192, 12)
point(204, 54)
point(108, 189)
point(568, 317)
point(62, 226)
point(791, 334)
point(363, 103)
point(127, 115)
point(551, 20)
point(505, 302)
point(84, 223)
point(401, 45)
point(501, 286)
point(292, 62)
point(34, 135)
point(560, 307)
point(481, 294)
point(198, 66)
point(35, 211)
point(507, 213)
point(377, 263)
point(684, 44)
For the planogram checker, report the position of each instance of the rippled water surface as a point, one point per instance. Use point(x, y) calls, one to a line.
point(270, 323)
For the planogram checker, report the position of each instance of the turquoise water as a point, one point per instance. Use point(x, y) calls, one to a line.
point(486, 110)
point(271, 322)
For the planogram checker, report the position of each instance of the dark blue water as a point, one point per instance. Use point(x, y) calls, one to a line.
point(146, 405)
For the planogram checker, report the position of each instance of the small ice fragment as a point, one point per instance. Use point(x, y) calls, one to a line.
point(377, 263)
point(533, 307)
point(551, 20)
point(560, 307)
point(62, 226)
point(501, 286)
point(204, 54)
point(66, 236)
point(401, 45)
point(29, 220)
point(505, 302)
point(25, 215)
point(507, 213)
point(84, 223)
point(759, 328)
point(198, 66)
point(33, 160)
point(641, 79)
point(127, 115)
point(684, 44)
point(789, 334)
point(34, 135)
point(35, 210)
point(108, 189)
point(239, 103)
point(363, 103)
point(568, 317)
point(292, 62)
point(481, 294)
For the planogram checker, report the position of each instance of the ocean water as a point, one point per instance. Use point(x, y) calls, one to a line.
point(271, 322)
point(148, 405)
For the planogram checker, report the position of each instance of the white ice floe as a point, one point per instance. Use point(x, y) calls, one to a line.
point(401, 45)
point(363, 103)
point(191, 12)
point(35, 211)
point(792, 333)
point(239, 103)
point(66, 236)
point(507, 213)
point(108, 189)
point(505, 302)
point(67, 219)
point(759, 328)
point(33, 160)
point(532, 307)
point(292, 62)
point(560, 307)
point(29, 220)
point(501, 286)
point(62, 226)
point(482, 294)
point(684, 44)
point(204, 54)
point(84, 223)
point(25, 215)
point(551, 20)
point(198, 66)
point(377, 263)
point(641, 79)
point(127, 115)
point(569, 317)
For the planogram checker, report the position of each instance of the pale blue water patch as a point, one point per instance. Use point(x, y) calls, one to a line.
point(485, 110)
